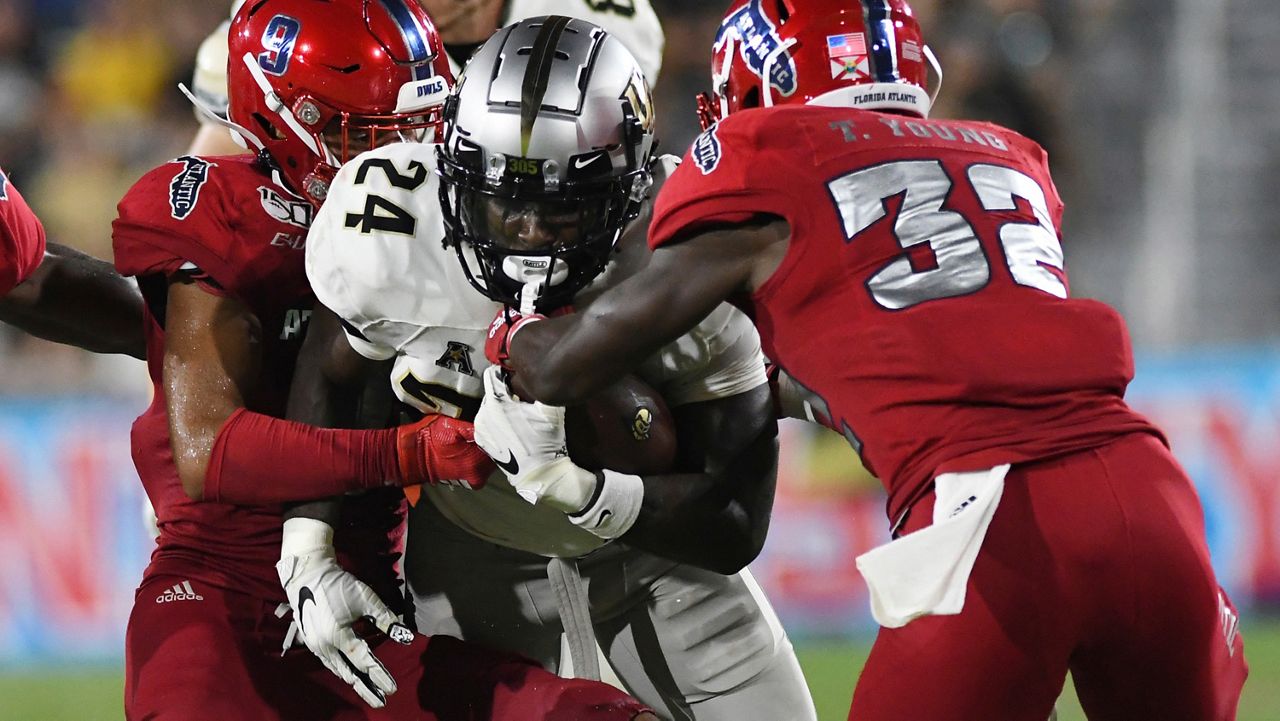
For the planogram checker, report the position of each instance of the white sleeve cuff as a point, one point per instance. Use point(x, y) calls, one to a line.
point(367, 348)
point(615, 508)
point(305, 535)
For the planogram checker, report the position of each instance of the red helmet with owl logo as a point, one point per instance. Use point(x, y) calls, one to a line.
point(850, 53)
point(312, 84)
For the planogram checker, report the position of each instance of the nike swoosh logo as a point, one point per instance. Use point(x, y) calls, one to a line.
point(363, 677)
point(510, 466)
point(303, 596)
point(604, 515)
point(579, 164)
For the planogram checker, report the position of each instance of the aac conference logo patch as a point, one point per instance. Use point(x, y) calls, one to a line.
point(706, 151)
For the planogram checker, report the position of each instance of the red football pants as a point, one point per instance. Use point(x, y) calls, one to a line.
point(1094, 562)
point(208, 654)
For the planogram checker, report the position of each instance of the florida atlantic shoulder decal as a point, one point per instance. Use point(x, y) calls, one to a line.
point(278, 39)
point(184, 189)
point(759, 46)
point(706, 151)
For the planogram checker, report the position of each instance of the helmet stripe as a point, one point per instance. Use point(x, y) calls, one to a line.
point(537, 75)
point(884, 41)
point(415, 36)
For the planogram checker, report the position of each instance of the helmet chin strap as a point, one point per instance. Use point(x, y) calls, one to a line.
point(238, 132)
point(276, 105)
point(529, 296)
point(937, 69)
point(720, 78)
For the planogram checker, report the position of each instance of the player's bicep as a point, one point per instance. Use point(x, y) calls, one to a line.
point(735, 441)
point(331, 378)
point(211, 359)
point(733, 432)
point(713, 510)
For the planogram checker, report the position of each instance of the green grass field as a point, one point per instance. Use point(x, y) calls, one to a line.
point(95, 695)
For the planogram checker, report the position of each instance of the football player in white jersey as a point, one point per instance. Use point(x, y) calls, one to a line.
point(462, 24)
point(560, 108)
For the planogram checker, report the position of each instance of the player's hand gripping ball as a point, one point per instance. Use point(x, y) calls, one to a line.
point(625, 427)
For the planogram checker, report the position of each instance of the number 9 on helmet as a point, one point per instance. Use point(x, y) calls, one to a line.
point(312, 84)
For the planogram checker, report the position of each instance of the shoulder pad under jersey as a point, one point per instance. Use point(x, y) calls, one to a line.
point(375, 253)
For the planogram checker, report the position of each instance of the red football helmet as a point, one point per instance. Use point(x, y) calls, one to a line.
point(849, 53)
point(314, 83)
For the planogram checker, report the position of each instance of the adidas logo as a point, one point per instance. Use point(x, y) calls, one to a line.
point(1230, 621)
point(180, 592)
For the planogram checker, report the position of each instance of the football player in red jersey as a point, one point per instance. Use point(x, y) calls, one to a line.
point(909, 273)
point(217, 246)
point(58, 293)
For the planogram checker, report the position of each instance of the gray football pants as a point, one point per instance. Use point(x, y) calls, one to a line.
point(693, 644)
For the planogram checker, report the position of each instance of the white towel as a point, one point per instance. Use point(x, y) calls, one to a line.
point(925, 573)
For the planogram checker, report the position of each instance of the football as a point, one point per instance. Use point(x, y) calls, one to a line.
point(626, 427)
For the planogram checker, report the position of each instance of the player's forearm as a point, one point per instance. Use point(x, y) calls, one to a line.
point(563, 361)
point(716, 521)
point(79, 300)
point(258, 459)
point(718, 518)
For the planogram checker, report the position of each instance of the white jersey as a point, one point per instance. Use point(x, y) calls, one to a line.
point(403, 295)
point(632, 21)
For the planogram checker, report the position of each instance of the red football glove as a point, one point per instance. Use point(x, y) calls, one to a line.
point(501, 330)
point(440, 449)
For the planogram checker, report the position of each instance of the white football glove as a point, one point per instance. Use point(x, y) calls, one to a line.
point(526, 440)
point(326, 600)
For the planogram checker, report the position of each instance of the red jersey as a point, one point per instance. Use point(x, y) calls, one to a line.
point(922, 298)
point(21, 237)
point(230, 222)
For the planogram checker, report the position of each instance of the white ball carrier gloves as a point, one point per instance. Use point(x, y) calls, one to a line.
point(326, 600)
point(526, 440)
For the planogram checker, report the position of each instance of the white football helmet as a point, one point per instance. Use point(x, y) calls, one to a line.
point(546, 159)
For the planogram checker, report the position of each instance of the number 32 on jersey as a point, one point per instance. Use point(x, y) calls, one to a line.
point(1031, 250)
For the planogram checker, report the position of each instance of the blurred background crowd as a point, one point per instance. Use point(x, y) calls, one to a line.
point(1161, 118)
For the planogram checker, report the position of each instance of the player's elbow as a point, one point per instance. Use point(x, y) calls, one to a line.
point(191, 474)
point(192, 446)
point(728, 566)
point(731, 560)
point(744, 549)
point(732, 546)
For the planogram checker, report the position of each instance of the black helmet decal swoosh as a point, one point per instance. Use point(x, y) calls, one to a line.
point(537, 75)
